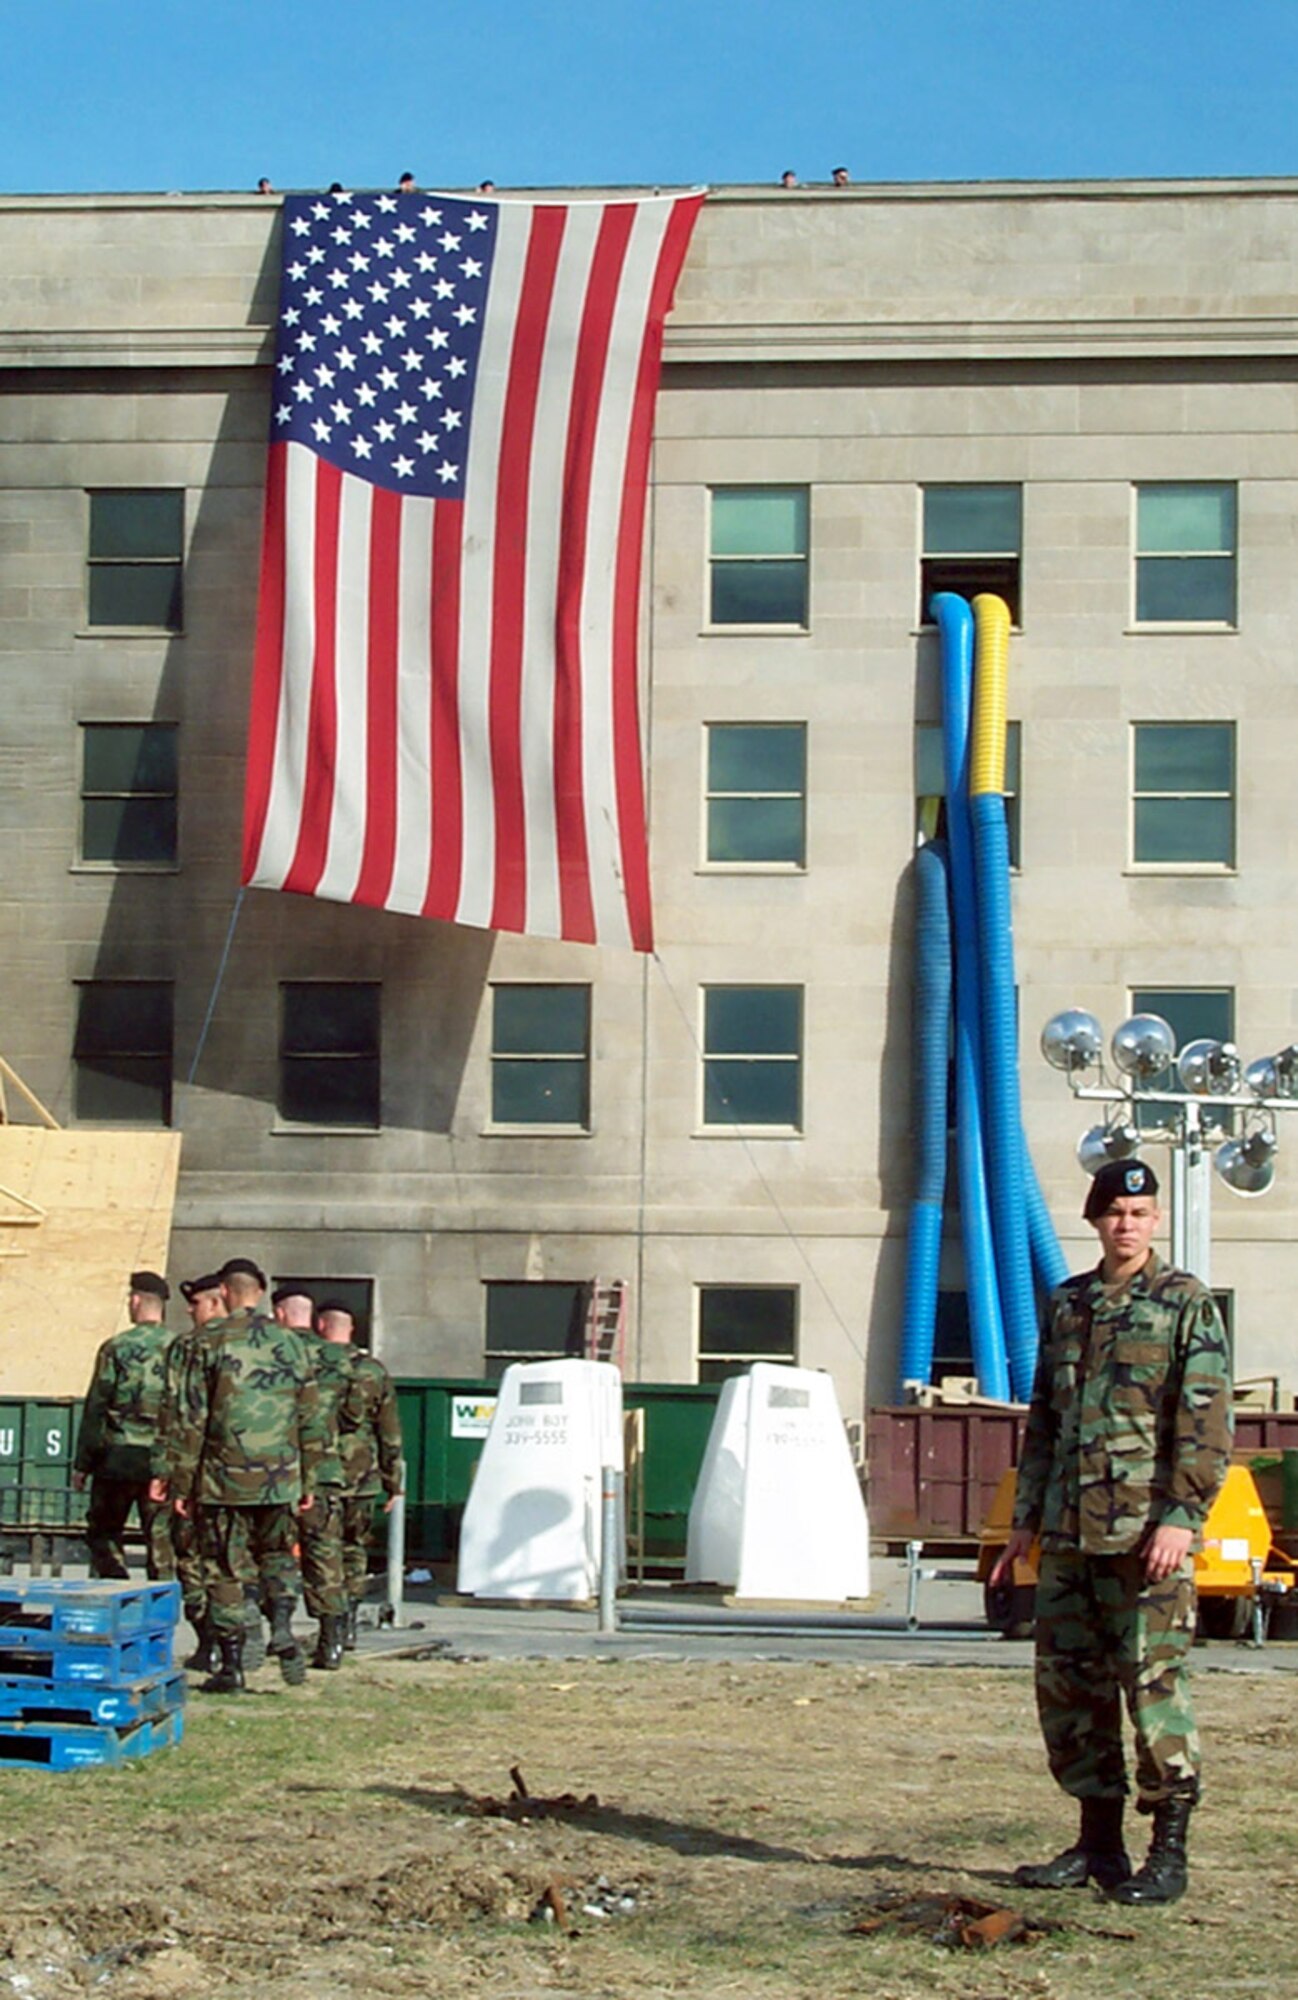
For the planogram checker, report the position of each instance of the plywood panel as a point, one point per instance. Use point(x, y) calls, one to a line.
point(79, 1211)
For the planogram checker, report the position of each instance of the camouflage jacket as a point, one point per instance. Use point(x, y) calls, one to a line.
point(369, 1430)
point(169, 1414)
point(120, 1420)
point(1130, 1425)
point(248, 1430)
point(335, 1363)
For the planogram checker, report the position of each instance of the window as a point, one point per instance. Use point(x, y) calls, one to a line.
point(135, 559)
point(1185, 555)
point(128, 793)
point(329, 1054)
point(952, 1337)
point(752, 1055)
point(759, 556)
point(757, 794)
point(540, 1056)
point(973, 537)
point(740, 1324)
point(533, 1322)
point(1183, 803)
point(357, 1294)
point(1191, 1012)
point(930, 785)
point(122, 1052)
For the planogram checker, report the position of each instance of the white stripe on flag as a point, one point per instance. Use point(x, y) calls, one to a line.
point(477, 569)
point(545, 525)
point(350, 669)
point(414, 708)
point(603, 830)
point(288, 775)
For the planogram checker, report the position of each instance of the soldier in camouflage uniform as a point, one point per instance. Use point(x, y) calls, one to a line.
point(247, 1439)
point(1127, 1443)
point(204, 1300)
point(118, 1435)
point(369, 1439)
point(323, 1584)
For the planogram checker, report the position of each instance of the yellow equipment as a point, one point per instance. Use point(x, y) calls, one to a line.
point(1236, 1537)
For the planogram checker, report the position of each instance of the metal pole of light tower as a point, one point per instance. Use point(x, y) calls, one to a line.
point(1192, 1196)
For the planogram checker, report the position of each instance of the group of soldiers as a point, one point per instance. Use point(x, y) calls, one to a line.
point(253, 1444)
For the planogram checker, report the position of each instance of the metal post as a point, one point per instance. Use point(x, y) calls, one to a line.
point(1256, 1565)
point(913, 1552)
point(397, 1554)
point(1192, 1197)
point(610, 1556)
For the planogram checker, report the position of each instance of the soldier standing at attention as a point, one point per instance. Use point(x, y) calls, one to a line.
point(1127, 1444)
point(369, 1440)
point(248, 1435)
point(118, 1434)
point(323, 1584)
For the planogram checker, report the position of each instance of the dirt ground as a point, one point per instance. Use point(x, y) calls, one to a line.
point(334, 1841)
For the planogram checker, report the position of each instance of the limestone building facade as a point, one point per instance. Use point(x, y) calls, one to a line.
point(1085, 395)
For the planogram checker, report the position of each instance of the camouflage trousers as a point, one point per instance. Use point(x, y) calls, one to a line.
point(358, 1539)
point(247, 1548)
point(1104, 1636)
point(111, 1501)
point(190, 1567)
point(324, 1585)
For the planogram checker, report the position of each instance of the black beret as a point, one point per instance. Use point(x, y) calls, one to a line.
point(282, 1292)
point(242, 1267)
point(335, 1306)
point(1115, 1179)
point(191, 1287)
point(149, 1281)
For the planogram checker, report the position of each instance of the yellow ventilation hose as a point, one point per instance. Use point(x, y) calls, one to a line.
point(991, 678)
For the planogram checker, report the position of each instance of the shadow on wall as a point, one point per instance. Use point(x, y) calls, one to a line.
point(895, 1164)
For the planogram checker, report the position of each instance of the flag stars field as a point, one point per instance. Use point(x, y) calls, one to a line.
point(383, 355)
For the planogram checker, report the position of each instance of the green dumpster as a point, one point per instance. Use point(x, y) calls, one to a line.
point(444, 1420)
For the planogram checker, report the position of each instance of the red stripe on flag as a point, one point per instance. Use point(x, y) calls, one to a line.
point(509, 903)
point(447, 858)
point(626, 591)
point(322, 728)
point(577, 910)
point(384, 604)
point(268, 665)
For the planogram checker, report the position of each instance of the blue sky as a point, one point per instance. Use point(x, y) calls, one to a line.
point(115, 94)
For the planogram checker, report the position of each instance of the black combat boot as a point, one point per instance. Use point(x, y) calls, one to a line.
point(254, 1634)
point(292, 1660)
point(1099, 1855)
point(350, 1624)
point(228, 1678)
point(1162, 1878)
point(328, 1653)
point(206, 1656)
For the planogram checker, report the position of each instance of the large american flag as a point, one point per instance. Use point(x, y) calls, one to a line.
point(444, 707)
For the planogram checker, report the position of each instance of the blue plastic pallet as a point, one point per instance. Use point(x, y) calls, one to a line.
point(89, 1609)
point(32, 1654)
point(58, 1746)
point(32, 1700)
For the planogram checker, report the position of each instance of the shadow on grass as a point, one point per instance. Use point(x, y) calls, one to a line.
point(681, 1837)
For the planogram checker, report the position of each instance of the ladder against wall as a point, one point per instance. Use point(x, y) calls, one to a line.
point(605, 1338)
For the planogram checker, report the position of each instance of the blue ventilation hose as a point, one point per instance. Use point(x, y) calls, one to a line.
point(932, 1031)
point(1004, 1118)
point(954, 621)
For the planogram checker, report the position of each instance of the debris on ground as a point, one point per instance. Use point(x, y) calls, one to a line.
point(963, 1923)
point(560, 1902)
point(523, 1805)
